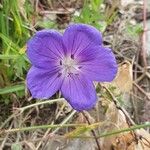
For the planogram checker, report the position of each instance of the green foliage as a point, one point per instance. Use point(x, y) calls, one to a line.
point(110, 19)
point(16, 146)
point(15, 30)
point(134, 30)
point(92, 14)
point(5, 92)
point(47, 24)
point(14, 33)
point(10, 89)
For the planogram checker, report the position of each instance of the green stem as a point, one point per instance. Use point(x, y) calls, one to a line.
point(40, 127)
point(8, 56)
point(77, 125)
point(125, 130)
point(117, 131)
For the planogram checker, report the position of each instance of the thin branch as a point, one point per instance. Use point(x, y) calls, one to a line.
point(115, 132)
point(143, 52)
point(3, 131)
point(93, 132)
point(135, 127)
point(141, 90)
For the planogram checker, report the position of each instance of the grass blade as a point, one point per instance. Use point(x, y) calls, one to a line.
point(11, 89)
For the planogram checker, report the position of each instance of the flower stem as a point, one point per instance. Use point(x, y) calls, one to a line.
point(135, 127)
point(39, 127)
point(131, 128)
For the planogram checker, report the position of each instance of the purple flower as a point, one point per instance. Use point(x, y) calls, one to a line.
point(69, 63)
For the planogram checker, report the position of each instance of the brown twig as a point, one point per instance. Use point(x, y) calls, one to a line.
point(93, 132)
point(63, 6)
point(143, 52)
point(141, 90)
point(147, 74)
point(6, 137)
point(148, 145)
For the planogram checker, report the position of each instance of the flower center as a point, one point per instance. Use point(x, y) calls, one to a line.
point(69, 66)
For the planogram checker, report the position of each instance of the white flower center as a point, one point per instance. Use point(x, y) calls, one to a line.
point(69, 66)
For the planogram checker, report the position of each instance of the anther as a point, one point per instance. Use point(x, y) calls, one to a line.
point(59, 74)
point(72, 56)
point(60, 62)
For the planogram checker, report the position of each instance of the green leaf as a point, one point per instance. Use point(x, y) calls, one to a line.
point(16, 146)
point(9, 42)
point(11, 89)
point(17, 22)
point(8, 56)
point(134, 30)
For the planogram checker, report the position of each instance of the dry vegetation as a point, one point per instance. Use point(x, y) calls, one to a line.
point(122, 105)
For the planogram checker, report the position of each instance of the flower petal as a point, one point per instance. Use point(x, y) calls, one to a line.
point(89, 54)
point(79, 92)
point(103, 68)
point(45, 48)
point(78, 37)
point(43, 83)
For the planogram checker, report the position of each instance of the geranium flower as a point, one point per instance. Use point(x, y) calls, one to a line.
point(69, 63)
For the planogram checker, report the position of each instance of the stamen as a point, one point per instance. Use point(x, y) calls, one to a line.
point(60, 62)
point(59, 74)
point(69, 65)
point(72, 56)
point(76, 74)
point(69, 74)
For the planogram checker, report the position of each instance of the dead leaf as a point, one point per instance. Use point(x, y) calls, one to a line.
point(124, 78)
point(123, 141)
point(116, 120)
